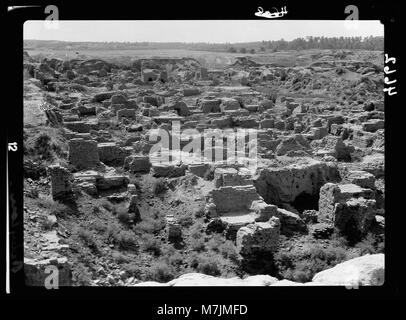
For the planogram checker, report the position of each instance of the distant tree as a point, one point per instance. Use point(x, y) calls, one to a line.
point(262, 49)
point(232, 50)
point(243, 50)
point(252, 51)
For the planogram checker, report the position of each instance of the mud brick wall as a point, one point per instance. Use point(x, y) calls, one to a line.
point(83, 154)
point(60, 181)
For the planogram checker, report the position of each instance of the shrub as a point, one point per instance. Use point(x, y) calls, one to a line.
point(208, 265)
point(87, 238)
point(133, 270)
point(196, 231)
point(106, 205)
point(127, 240)
point(99, 226)
point(176, 259)
point(151, 223)
point(370, 245)
point(200, 211)
point(151, 244)
point(185, 220)
point(122, 214)
point(159, 186)
point(215, 242)
point(119, 257)
point(53, 207)
point(229, 251)
point(45, 146)
point(42, 146)
point(81, 275)
point(112, 232)
point(161, 272)
point(301, 266)
point(197, 244)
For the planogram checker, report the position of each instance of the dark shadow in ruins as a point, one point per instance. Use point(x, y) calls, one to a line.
point(351, 233)
point(260, 263)
point(305, 201)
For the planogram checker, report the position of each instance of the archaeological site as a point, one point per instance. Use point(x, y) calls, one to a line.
point(187, 164)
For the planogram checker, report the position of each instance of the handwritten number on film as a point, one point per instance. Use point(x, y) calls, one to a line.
point(387, 70)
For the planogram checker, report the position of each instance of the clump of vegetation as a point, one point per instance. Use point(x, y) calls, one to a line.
point(133, 270)
point(106, 205)
point(53, 207)
point(161, 272)
point(151, 244)
point(119, 257)
point(196, 231)
point(127, 240)
point(87, 238)
point(199, 213)
point(122, 214)
point(151, 223)
point(81, 275)
point(99, 226)
point(301, 265)
point(205, 263)
point(197, 244)
point(229, 251)
point(45, 145)
point(215, 242)
point(371, 244)
point(46, 224)
point(186, 220)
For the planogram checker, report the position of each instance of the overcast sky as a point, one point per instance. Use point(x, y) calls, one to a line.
point(214, 31)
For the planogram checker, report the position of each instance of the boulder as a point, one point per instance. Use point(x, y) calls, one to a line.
point(290, 222)
point(203, 280)
point(368, 270)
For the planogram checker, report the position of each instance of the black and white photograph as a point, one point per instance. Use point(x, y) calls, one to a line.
point(204, 153)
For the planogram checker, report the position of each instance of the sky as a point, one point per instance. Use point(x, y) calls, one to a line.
point(213, 31)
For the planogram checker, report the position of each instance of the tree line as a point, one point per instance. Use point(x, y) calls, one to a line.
point(364, 43)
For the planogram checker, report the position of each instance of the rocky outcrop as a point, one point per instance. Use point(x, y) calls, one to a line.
point(368, 270)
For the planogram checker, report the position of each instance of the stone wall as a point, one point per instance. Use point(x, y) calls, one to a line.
point(234, 198)
point(83, 154)
point(60, 181)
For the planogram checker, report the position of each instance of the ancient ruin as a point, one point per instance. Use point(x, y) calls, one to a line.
point(217, 168)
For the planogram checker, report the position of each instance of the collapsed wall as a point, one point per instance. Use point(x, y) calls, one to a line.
point(285, 184)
